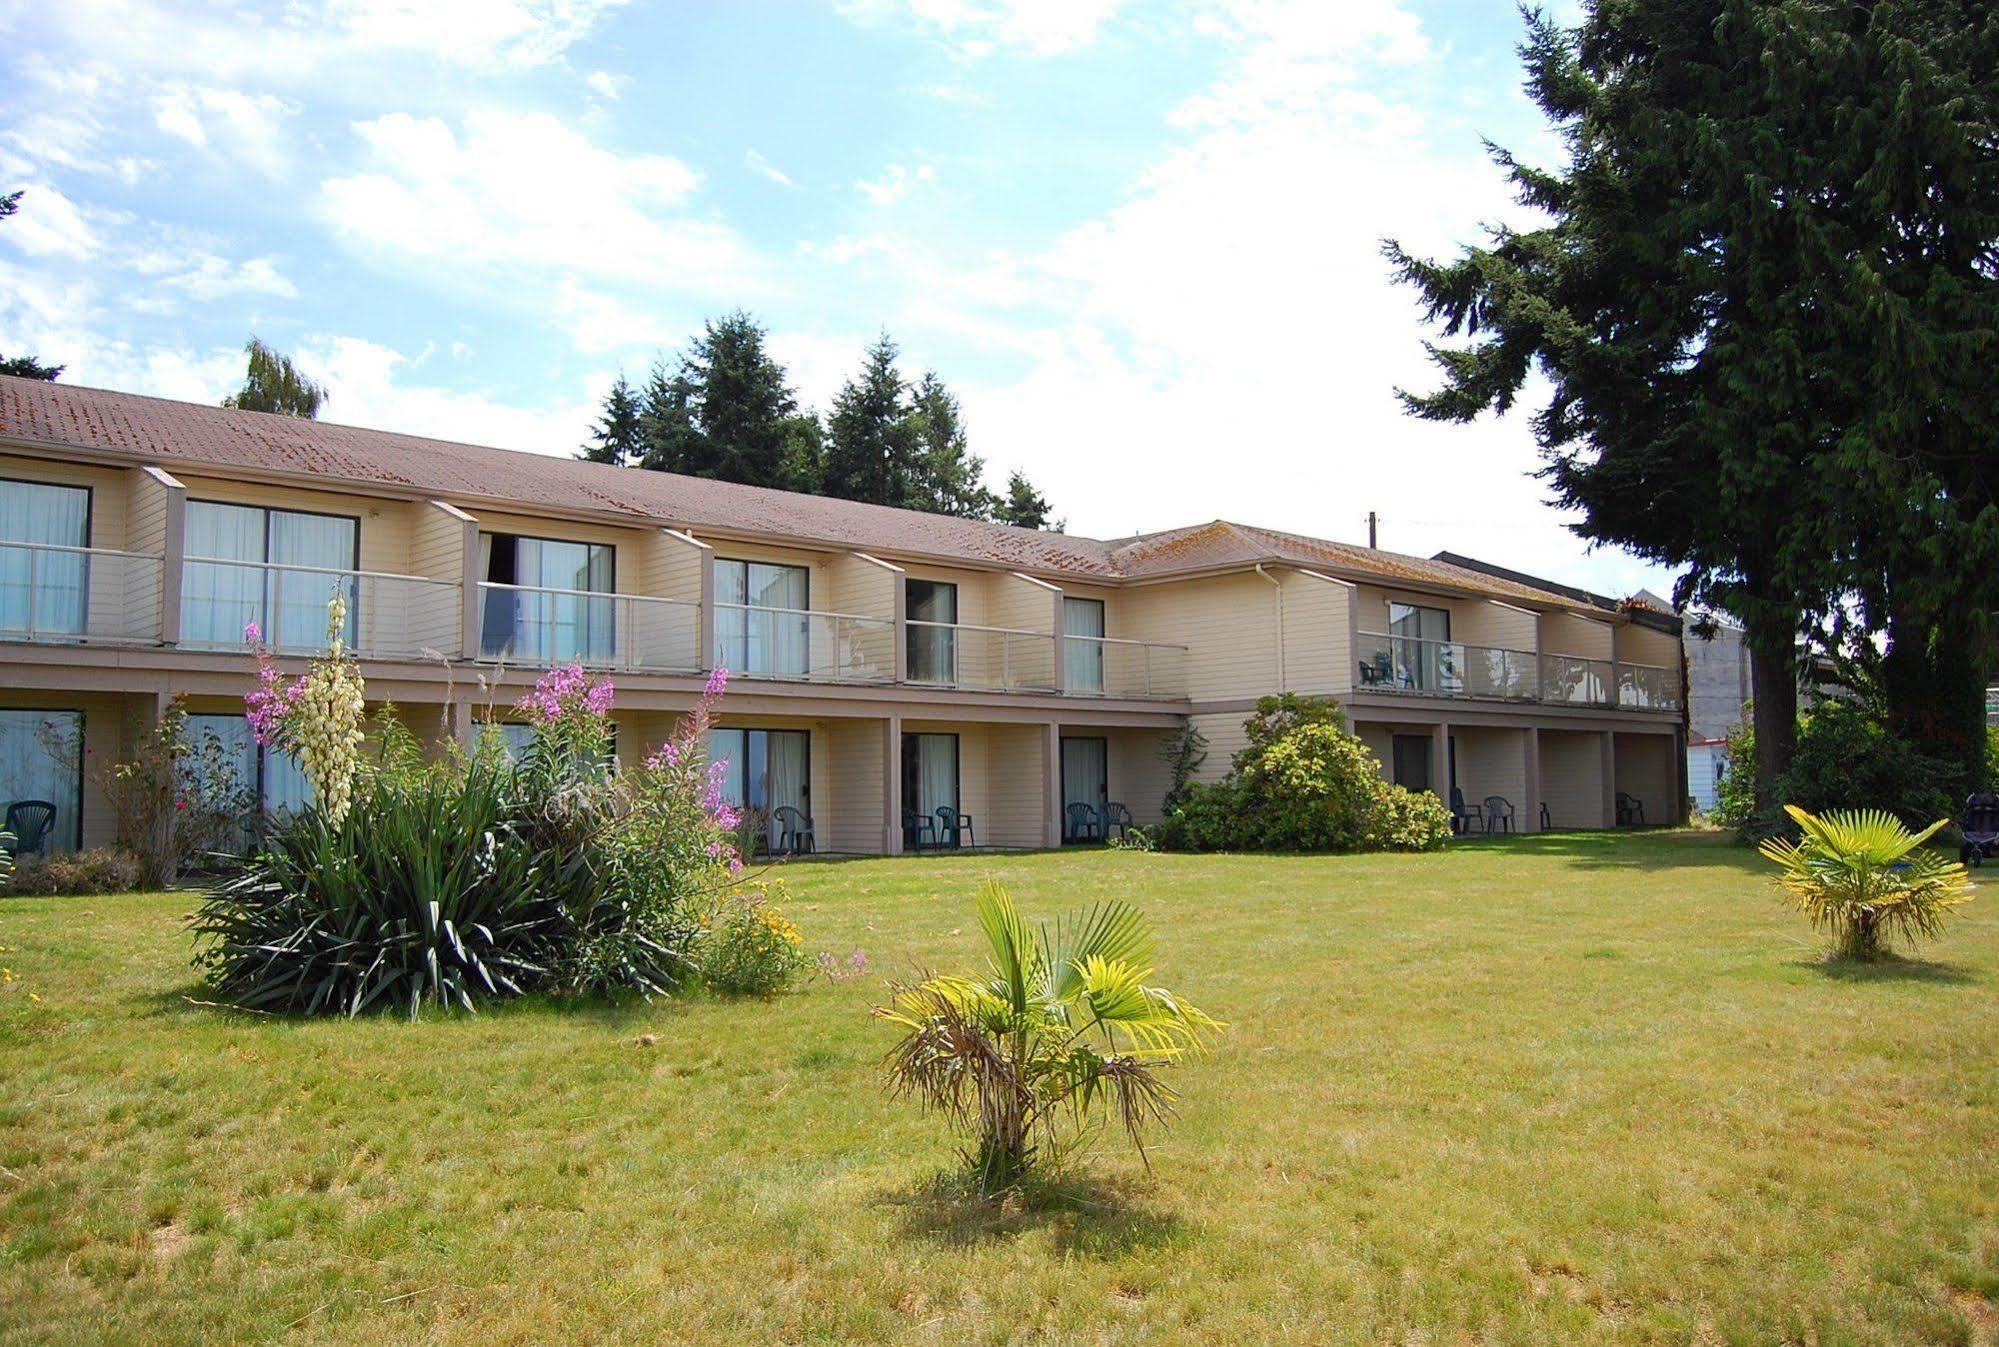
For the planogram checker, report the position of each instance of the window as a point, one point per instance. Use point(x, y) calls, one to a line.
point(1083, 660)
point(1417, 644)
point(43, 583)
point(929, 779)
point(277, 568)
point(41, 760)
point(767, 770)
point(933, 650)
point(1085, 781)
point(541, 601)
point(270, 774)
point(762, 621)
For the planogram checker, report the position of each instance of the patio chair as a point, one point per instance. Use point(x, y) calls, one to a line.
point(916, 827)
point(1376, 673)
point(1546, 824)
point(30, 821)
point(1083, 824)
point(1464, 819)
point(1630, 811)
point(1980, 825)
point(1498, 814)
point(794, 831)
point(954, 829)
point(1117, 816)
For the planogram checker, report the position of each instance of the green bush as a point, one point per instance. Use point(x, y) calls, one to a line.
point(1846, 759)
point(77, 873)
point(1304, 783)
point(750, 948)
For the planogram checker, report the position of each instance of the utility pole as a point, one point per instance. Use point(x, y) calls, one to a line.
point(1373, 520)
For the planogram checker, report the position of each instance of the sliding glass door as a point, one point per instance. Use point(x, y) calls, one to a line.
point(762, 623)
point(276, 568)
point(1085, 781)
point(1083, 655)
point(43, 585)
point(41, 760)
point(549, 600)
point(933, 650)
point(1417, 638)
point(929, 779)
point(767, 770)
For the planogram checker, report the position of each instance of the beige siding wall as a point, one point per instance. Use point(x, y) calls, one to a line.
point(861, 587)
point(1647, 771)
point(1139, 775)
point(849, 816)
point(1014, 793)
point(1225, 740)
point(1572, 778)
point(1643, 645)
point(1318, 640)
point(1228, 624)
point(437, 544)
point(1568, 634)
point(664, 632)
point(1023, 605)
point(1494, 762)
point(149, 504)
point(1491, 624)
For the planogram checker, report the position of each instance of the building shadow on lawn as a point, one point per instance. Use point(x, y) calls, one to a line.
point(1094, 1217)
point(1893, 968)
point(1637, 849)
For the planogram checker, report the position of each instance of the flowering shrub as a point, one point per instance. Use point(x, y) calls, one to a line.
point(316, 717)
point(750, 948)
point(1304, 783)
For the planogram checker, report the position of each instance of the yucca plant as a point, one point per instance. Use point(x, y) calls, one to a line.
point(1863, 876)
point(6, 860)
point(1060, 1028)
point(427, 894)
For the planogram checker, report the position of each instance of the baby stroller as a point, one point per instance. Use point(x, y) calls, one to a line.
point(1980, 825)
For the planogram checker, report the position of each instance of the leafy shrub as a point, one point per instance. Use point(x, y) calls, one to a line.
point(1059, 1027)
point(7, 841)
point(750, 947)
point(1846, 759)
point(98, 870)
point(1304, 783)
point(1866, 878)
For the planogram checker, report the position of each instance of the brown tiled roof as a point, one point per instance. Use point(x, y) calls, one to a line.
point(195, 437)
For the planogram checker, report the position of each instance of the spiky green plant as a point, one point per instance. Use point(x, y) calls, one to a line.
point(6, 860)
point(1863, 876)
point(1060, 1028)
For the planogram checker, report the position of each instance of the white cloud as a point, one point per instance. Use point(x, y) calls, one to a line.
point(206, 277)
point(47, 223)
point(244, 127)
point(894, 183)
point(529, 198)
point(973, 28)
point(759, 164)
point(604, 84)
point(957, 95)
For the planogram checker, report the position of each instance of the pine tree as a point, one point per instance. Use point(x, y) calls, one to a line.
point(871, 445)
point(948, 477)
point(669, 438)
point(23, 366)
point(619, 434)
point(273, 383)
point(1023, 506)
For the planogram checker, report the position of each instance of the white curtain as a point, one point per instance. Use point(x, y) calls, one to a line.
point(750, 638)
point(933, 650)
point(238, 746)
point(38, 762)
point(1083, 661)
point(298, 598)
point(43, 591)
point(1084, 776)
point(217, 600)
point(936, 772)
point(285, 786)
point(785, 756)
point(729, 747)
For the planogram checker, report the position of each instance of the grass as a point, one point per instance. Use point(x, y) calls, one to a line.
point(1573, 1088)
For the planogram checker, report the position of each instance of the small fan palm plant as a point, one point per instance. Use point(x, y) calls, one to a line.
point(1863, 876)
point(1059, 1028)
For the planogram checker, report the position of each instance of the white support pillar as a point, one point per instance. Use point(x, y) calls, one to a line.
point(892, 786)
point(1051, 783)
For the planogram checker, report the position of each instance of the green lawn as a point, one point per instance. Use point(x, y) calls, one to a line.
point(1576, 1088)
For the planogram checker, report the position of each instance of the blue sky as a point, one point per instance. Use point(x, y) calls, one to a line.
point(1140, 239)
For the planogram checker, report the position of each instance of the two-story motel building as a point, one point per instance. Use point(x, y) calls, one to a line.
point(881, 661)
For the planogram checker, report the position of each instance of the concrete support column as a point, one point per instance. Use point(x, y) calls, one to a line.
point(1440, 761)
point(1530, 812)
point(1609, 752)
point(1051, 783)
point(892, 786)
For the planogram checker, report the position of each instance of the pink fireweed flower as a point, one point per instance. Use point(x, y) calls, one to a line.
point(252, 633)
point(718, 680)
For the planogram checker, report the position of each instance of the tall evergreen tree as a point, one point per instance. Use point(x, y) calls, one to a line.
point(1023, 506)
point(871, 443)
point(669, 436)
point(948, 477)
point(23, 366)
point(619, 436)
point(1680, 304)
point(272, 383)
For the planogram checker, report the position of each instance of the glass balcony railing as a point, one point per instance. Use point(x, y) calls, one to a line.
point(388, 616)
point(533, 625)
point(1411, 664)
point(1572, 680)
point(958, 655)
point(793, 643)
point(59, 594)
point(1108, 666)
point(1648, 687)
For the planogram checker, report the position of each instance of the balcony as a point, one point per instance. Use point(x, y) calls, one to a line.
point(794, 644)
point(64, 595)
point(535, 626)
point(1408, 665)
point(1107, 666)
point(388, 616)
point(1000, 659)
